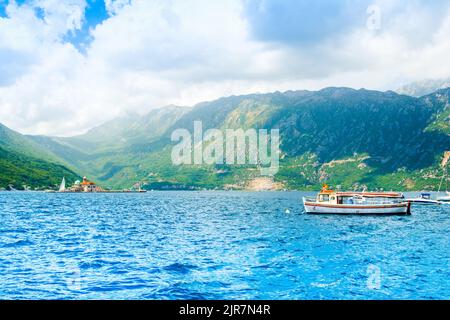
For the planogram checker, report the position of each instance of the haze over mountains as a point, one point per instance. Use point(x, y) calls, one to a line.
point(340, 136)
point(424, 87)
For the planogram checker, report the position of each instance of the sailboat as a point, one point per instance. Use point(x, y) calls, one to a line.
point(62, 187)
point(444, 199)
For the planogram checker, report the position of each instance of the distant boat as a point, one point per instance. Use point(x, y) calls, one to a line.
point(425, 198)
point(62, 187)
point(356, 203)
point(445, 199)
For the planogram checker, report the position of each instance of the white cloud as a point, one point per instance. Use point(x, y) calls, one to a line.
point(152, 53)
point(115, 6)
point(61, 16)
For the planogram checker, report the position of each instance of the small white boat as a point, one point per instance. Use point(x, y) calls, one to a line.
point(425, 198)
point(445, 199)
point(357, 203)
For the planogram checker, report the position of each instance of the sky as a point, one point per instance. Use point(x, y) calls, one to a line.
point(66, 66)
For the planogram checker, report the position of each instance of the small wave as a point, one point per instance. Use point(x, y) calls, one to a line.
point(325, 285)
point(97, 264)
point(20, 243)
point(180, 268)
point(13, 231)
point(178, 291)
point(117, 287)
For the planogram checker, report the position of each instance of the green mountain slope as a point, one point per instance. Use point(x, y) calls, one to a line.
point(441, 120)
point(25, 163)
point(19, 170)
point(114, 147)
point(345, 137)
point(17, 143)
point(129, 130)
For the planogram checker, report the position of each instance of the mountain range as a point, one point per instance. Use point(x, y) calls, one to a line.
point(345, 137)
point(25, 164)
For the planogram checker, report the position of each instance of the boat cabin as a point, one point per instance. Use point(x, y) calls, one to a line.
point(332, 197)
point(329, 196)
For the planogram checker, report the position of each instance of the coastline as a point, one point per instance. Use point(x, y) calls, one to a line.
point(208, 190)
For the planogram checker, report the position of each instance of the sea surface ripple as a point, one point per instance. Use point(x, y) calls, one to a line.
point(215, 245)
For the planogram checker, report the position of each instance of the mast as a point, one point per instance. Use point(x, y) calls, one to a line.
point(444, 175)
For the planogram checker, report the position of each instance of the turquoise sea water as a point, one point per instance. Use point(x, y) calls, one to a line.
point(215, 245)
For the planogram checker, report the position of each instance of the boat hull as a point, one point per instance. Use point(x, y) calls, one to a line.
point(384, 209)
point(424, 201)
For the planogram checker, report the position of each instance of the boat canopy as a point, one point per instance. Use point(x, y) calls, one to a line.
point(326, 191)
point(371, 194)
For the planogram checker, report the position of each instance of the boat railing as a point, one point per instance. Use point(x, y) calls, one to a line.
point(377, 201)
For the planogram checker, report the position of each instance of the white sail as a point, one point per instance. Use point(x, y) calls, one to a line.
point(62, 187)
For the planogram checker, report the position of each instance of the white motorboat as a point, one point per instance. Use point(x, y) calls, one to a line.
point(425, 198)
point(357, 203)
point(445, 199)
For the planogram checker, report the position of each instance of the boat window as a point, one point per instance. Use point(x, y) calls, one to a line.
point(344, 200)
point(324, 198)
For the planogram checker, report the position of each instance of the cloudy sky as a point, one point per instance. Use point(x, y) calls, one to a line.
point(66, 66)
